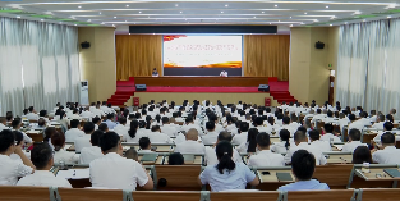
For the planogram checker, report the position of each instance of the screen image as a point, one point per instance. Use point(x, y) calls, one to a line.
point(203, 51)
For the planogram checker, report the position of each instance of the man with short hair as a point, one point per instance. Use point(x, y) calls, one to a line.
point(387, 153)
point(121, 128)
point(264, 156)
point(83, 140)
point(329, 135)
point(303, 167)
point(354, 141)
point(110, 121)
point(301, 143)
point(190, 145)
point(43, 160)
point(286, 125)
point(115, 171)
point(387, 127)
point(31, 115)
point(2, 123)
point(145, 145)
point(210, 157)
point(324, 146)
point(88, 154)
point(190, 124)
point(74, 131)
point(259, 122)
point(16, 124)
point(11, 169)
point(211, 137)
point(43, 114)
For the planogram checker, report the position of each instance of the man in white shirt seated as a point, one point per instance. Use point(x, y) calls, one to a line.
point(354, 141)
point(329, 117)
point(16, 124)
point(190, 124)
point(243, 133)
point(387, 127)
point(145, 145)
point(210, 157)
point(301, 143)
point(190, 145)
point(355, 124)
point(121, 128)
point(74, 131)
point(83, 139)
point(43, 114)
point(86, 114)
point(32, 114)
point(115, 171)
point(43, 160)
point(211, 137)
point(324, 146)
point(223, 74)
point(2, 123)
point(264, 156)
point(88, 154)
point(156, 135)
point(11, 169)
point(260, 128)
point(168, 128)
point(329, 135)
point(286, 125)
point(380, 121)
point(97, 112)
point(388, 154)
point(74, 115)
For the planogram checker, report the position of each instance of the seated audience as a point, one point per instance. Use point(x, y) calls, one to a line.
point(283, 146)
point(388, 154)
point(19, 141)
point(110, 121)
point(61, 155)
point(16, 124)
point(32, 114)
point(324, 146)
point(131, 154)
point(74, 131)
point(11, 169)
point(354, 141)
point(43, 160)
point(210, 157)
point(301, 143)
point(168, 128)
point(115, 171)
point(176, 159)
point(362, 155)
point(88, 154)
point(132, 132)
point(103, 128)
point(211, 136)
point(243, 132)
point(329, 136)
point(226, 174)
point(190, 145)
point(145, 145)
point(83, 140)
point(303, 167)
point(387, 127)
point(264, 156)
point(121, 128)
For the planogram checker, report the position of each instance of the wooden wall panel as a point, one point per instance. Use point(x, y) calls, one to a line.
point(267, 56)
point(137, 55)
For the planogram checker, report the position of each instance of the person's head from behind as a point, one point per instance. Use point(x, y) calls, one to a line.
point(354, 134)
point(300, 137)
point(74, 123)
point(122, 120)
point(263, 141)
point(244, 127)
point(303, 164)
point(103, 127)
point(144, 112)
point(41, 122)
point(88, 128)
point(189, 120)
point(176, 159)
point(388, 126)
point(286, 120)
point(284, 135)
point(319, 111)
point(58, 141)
point(25, 111)
point(213, 118)
point(16, 123)
point(18, 138)
point(224, 136)
point(352, 117)
point(42, 156)
point(156, 128)
point(328, 128)
point(362, 155)
point(165, 120)
point(131, 154)
point(314, 135)
point(259, 121)
point(210, 126)
point(95, 138)
point(144, 143)
point(224, 152)
point(270, 120)
point(329, 114)
point(109, 142)
point(192, 135)
point(43, 113)
point(96, 121)
point(388, 139)
point(110, 117)
point(6, 142)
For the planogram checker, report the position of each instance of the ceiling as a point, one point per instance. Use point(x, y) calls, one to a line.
point(120, 13)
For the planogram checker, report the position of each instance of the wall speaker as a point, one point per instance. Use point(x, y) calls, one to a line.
point(319, 45)
point(85, 45)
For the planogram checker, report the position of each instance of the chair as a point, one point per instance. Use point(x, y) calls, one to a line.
point(329, 195)
point(166, 196)
point(240, 196)
point(387, 194)
point(85, 194)
point(177, 177)
point(336, 176)
point(10, 193)
point(31, 121)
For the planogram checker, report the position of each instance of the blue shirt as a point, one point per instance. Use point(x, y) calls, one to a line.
point(235, 179)
point(304, 185)
point(110, 124)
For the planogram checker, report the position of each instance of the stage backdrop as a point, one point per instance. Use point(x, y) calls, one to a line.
point(263, 56)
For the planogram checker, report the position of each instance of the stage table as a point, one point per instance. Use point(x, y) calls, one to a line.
point(201, 81)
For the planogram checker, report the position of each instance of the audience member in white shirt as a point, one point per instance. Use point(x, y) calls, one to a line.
point(61, 155)
point(2, 123)
point(362, 155)
point(329, 136)
point(250, 145)
point(96, 122)
point(32, 114)
point(190, 145)
point(121, 129)
point(83, 140)
point(264, 156)
point(354, 141)
point(301, 143)
point(243, 132)
point(74, 131)
point(97, 112)
point(145, 145)
point(211, 156)
point(387, 127)
point(211, 136)
point(16, 124)
point(388, 154)
point(380, 121)
point(88, 154)
point(103, 127)
point(324, 146)
point(286, 125)
point(259, 121)
point(43, 160)
point(167, 128)
point(11, 169)
point(43, 114)
point(190, 124)
point(115, 171)
point(155, 135)
point(19, 141)
point(283, 146)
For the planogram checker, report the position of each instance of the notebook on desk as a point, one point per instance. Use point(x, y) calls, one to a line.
point(284, 177)
point(392, 172)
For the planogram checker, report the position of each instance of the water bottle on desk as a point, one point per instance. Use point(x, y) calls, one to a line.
point(62, 165)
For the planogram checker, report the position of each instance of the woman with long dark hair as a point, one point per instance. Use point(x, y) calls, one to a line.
point(133, 127)
point(227, 174)
point(284, 145)
point(251, 145)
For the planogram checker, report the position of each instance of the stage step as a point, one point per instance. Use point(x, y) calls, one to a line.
point(125, 84)
point(120, 97)
point(125, 93)
point(130, 89)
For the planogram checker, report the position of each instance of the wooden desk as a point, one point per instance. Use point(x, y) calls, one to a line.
point(157, 162)
point(198, 160)
point(201, 81)
point(270, 182)
point(340, 159)
point(36, 136)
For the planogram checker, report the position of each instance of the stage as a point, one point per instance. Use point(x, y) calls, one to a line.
point(227, 89)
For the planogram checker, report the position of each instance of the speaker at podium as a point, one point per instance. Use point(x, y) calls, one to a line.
point(263, 87)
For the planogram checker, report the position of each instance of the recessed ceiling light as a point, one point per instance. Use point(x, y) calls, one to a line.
point(290, 17)
point(75, 25)
point(263, 12)
point(154, 33)
point(113, 25)
point(226, 5)
point(270, 23)
point(222, 11)
point(79, 6)
point(180, 12)
point(291, 25)
point(126, 20)
point(330, 25)
point(276, 5)
point(326, 6)
point(176, 4)
point(115, 17)
point(140, 12)
point(305, 13)
point(251, 33)
point(254, 17)
point(129, 33)
point(100, 13)
point(389, 16)
point(18, 17)
point(127, 5)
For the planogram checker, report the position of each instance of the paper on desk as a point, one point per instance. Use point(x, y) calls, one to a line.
point(67, 147)
point(69, 174)
point(339, 147)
